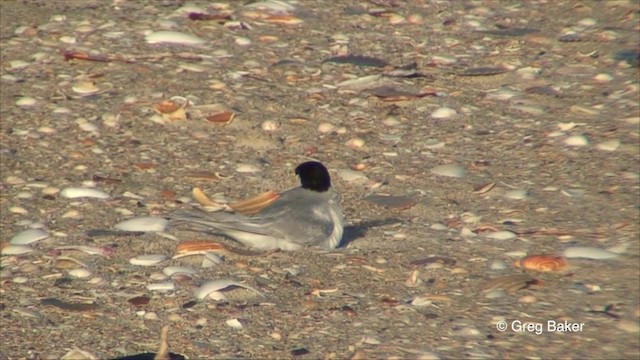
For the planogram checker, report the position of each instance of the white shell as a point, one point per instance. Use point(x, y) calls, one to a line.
point(143, 223)
point(77, 192)
point(451, 170)
point(173, 37)
point(215, 285)
point(12, 249)
point(609, 145)
point(173, 270)
point(29, 236)
point(500, 235)
point(80, 273)
point(247, 168)
point(588, 252)
point(234, 323)
point(576, 140)
point(147, 260)
point(161, 286)
point(443, 113)
point(516, 194)
point(210, 259)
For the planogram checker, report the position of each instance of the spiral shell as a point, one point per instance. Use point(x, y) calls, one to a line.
point(544, 263)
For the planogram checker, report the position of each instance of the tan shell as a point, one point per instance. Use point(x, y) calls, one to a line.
point(254, 204)
point(543, 262)
point(198, 247)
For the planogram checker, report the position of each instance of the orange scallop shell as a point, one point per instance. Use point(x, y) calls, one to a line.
point(542, 262)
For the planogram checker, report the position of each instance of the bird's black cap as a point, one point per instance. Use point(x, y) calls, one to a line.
point(314, 176)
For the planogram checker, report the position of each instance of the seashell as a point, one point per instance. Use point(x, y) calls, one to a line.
point(283, 19)
point(197, 247)
point(220, 285)
point(270, 125)
point(211, 259)
point(483, 188)
point(609, 145)
point(349, 175)
point(80, 273)
point(68, 262)
point(577, 140)
point(355, 143)
point(234, 323)
point(588, 252)
point(325, 128)
point(85, 88)
point(28, 236)
point(77, 192)
point(443, 113)
point(174, 270)
point(500, 235)
point(542, 263)
point(161, 286)
point(516, 194)
point(248, 168)
point(173, 37)
point(225, 117)
point(147, 260)
point(12, 249)
point(203, 199)
point(143, 223)
point(451, 170)
point(26, 101)
point(254, 204)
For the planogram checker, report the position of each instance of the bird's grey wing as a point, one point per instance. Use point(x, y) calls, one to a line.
point(217, 222)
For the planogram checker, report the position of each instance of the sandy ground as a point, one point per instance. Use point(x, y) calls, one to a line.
point(545, 110)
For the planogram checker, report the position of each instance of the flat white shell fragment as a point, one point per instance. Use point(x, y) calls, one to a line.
point(609, 145)
point(173, 37)
point(80, 273)
point(576, 140)
point(173, 270)
point(588, 252)
point(443, 113)
point(147, 260)
point(78, 192)
point(451, 170)
point(215, 285)
point(143, 223)
point(161, 286)
point(500, 235)
point(517, 194)
point(234, 323)
point(12, 249)
point(29, 236)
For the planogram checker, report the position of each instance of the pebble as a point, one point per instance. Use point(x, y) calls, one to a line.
point(26, 101)
point(355, 142)
point(609, 145)
point(325, 128)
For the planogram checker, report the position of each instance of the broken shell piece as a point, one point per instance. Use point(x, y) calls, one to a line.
point(203, 199)
point(161, 286)
point(178, 270)
point(224, 117)
point(451, 170)
point(85, 88)
point(235, 323)
point(68, 262)
point(254, 204)
point(211, 259)
point(173, 37)
point(12, 249)
point(29, 236)
point(197, 247)
point(220, 285)
point(143, 223)
point(147, 260)
point(77, 192)
point(80, 273)
point(588, 252)
point(542, 263)
point(172, 110)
